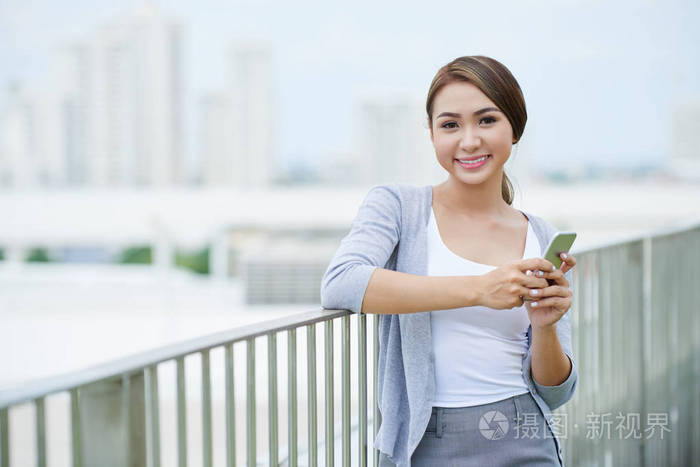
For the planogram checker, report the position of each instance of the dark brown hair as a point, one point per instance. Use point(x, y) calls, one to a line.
point(499, 85)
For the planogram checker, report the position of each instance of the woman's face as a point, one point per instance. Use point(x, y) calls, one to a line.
point(467, 125)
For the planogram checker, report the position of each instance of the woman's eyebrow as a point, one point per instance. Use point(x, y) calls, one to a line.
point(478, 112)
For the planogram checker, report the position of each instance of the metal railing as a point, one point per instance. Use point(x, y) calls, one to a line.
point(112, 405)
point(635, 332)
point(636, 340)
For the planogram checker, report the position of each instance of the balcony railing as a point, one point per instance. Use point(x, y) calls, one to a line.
point(635, 332)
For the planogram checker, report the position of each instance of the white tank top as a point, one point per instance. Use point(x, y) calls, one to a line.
point(478, 350)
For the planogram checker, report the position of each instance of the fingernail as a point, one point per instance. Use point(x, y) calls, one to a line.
point(528, 273)
point(533, 304)
point(554, 267)
point(534, 292)
point(540, 273)
point(563, 256)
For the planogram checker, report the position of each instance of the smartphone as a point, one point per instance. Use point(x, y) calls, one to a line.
point(560, 243)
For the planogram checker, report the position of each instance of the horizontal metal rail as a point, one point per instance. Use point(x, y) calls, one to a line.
point(31, 390)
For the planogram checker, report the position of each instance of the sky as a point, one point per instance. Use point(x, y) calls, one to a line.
point(600, 79)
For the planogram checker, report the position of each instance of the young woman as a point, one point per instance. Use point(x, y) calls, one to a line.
point(475, 340)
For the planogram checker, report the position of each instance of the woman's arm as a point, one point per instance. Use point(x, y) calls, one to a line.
point(551, 362)
point(392, 292)
point(357, 278)
point(550, 365)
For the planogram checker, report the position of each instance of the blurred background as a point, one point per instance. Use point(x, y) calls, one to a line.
point(171, 169)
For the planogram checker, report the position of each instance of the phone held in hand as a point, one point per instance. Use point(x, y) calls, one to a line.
point(560, 243)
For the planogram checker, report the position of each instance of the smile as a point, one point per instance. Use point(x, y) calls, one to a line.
point(472, 164)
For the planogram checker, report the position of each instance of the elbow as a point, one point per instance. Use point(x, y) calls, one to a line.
point(556, 396)
point(343, 287)
point(330, 296)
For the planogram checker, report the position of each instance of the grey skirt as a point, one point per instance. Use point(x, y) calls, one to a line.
point(508, 432)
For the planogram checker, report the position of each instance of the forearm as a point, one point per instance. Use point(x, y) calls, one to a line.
point(550, 365)
point(393, 292)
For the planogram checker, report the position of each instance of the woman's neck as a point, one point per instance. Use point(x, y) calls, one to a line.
point(483, 201)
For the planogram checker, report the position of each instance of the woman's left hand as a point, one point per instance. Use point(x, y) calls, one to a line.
point(551, 303)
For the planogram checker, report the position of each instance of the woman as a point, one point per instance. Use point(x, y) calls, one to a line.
point(475, 341)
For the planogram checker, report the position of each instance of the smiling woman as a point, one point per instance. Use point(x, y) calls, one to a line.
point(453, 270)
point(500, 103)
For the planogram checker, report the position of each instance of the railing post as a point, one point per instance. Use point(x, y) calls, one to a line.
point(644, 378)
point(4, 439)
point(112, 425)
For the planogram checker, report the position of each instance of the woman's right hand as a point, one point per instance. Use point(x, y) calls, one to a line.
point(509, 286)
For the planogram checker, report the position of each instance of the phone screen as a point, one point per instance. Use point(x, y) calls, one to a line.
point(561, 242)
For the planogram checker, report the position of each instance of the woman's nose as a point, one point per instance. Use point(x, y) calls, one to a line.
point(470, 140)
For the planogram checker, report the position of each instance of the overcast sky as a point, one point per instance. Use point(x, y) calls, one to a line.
point(600, 78)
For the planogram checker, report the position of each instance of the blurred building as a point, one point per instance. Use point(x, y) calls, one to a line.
point(395, 142)
point(136, 101)
point(73, 73)
point(29, 155)
point(18, 164)
point(253, 123)
point(286, 270)
point(216, 140)
point(113, 114)
point(236, 127)
point(684, 158)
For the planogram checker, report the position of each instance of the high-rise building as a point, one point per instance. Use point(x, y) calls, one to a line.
point(72, 65)
point(28, 142)
point(395, 142)
point(686, 127)
point(684, 150)
point(253, 131)
point(136, 101)
point(216, 140)
point(236, 126)
point(18, 164)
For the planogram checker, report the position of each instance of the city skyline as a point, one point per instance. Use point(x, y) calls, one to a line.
point(330, 58)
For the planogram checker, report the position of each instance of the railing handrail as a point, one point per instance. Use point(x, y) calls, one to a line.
point(33, 389)
point(636, 237)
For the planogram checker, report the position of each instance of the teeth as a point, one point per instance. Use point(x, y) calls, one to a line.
point(476, 161)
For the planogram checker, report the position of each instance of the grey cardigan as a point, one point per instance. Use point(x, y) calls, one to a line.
point(389, 232)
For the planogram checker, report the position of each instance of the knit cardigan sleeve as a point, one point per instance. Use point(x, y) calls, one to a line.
point(373, 236)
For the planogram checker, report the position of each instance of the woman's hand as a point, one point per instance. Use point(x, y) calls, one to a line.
point(508, 286)
point(547, 305)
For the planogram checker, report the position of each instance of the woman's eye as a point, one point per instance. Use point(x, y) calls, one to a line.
point(447, 124)
point(490, 119)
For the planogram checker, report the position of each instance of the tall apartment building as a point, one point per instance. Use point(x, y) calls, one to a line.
point(216, 140)
point(19, 163)
point(684, 150)
point(395, 142)
point(73, 72)
point(252, 115)
point(136, 101)
point(29, 140)
point(236, 125)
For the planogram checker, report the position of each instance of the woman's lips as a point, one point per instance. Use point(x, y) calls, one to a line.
point(471, 166)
